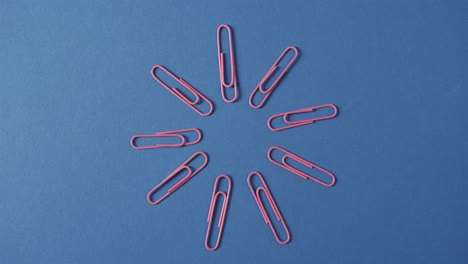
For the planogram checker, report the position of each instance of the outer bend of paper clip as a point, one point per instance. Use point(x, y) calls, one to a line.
point(291, 124)
point(214, 199)
point(183, 166)
point(172, 133)
point(267, 92)
point(199, 97)
point(256, 194)
point(222, 77)
point(302, 161)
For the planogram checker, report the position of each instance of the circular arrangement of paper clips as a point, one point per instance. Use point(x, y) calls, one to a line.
point(200, 102)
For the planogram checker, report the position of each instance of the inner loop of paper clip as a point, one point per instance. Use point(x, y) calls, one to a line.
point(148, 141)
point(283, 163)
point(301, 117)
point(183, 91)
point(274, 75)
point(214, 212)
point(186, 94)
point(310, 114)
point(226, 55)
point(170, 139)
point(278, 69)
point(272, 216)
point(216, 221)
point(267, 217)
point(187, 166)
point(166, 187)
point(227, 64)
point(316, 173)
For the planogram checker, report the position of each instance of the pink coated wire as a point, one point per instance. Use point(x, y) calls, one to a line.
point(172, 133)
point(214, 199)
point(179, 94)
point(292, 124)
point(233, 83)
point(183, 166)
point(270, 72)
point(306, 163)
point(271, 200)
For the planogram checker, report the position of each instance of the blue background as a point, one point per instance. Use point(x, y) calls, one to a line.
point(76, 85)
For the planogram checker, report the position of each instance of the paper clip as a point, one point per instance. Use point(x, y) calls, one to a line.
point(183, 166)
point(214, 199)
point(173, 133)
point(267, 92)
point(299, 173)
point(256, 195)
point(233, 83)
point(179, 94)
point(291, 124)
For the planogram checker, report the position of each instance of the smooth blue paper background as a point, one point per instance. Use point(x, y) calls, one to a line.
point(76, 85)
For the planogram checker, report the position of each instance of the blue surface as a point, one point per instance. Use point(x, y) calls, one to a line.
point(76, 85)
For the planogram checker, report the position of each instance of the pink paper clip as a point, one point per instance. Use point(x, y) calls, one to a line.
point(183, 166)
point(291, 124)
point(179, 94)
point(256, 195)
point(214, 199)
point(173, 133)
point(233, 83)
point(267, 92)
point(306, 163)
